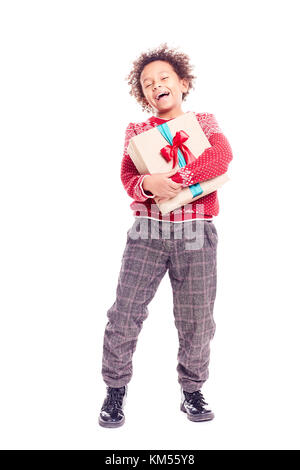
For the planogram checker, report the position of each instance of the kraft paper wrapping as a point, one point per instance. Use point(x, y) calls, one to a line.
point(144, 150)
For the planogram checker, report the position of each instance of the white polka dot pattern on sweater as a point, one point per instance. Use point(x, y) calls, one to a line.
point(130, 176)
point(212, 162)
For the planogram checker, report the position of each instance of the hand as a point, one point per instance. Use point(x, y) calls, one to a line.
point(162, 186)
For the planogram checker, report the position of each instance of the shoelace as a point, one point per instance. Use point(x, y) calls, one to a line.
point(195, 398)
point(115, 396)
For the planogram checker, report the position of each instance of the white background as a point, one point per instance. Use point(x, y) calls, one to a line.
point(64, 108)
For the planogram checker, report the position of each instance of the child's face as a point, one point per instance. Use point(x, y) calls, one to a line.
point(157, 77)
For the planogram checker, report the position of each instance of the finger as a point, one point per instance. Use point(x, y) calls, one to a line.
point(172, 172)
point(176, 191)
point(172, 194)
point(163, 199)
point(174, 185)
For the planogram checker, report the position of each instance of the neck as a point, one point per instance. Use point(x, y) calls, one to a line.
point(169, 114)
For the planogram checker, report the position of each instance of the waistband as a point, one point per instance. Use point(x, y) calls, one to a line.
point(172, 226)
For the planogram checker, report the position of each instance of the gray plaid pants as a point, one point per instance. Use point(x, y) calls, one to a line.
point(188, 250)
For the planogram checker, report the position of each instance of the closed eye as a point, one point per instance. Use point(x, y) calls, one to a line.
point(162, 79)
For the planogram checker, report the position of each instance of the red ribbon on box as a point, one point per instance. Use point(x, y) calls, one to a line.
point(170, 152)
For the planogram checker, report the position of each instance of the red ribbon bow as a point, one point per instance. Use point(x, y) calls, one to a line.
point(170, 152)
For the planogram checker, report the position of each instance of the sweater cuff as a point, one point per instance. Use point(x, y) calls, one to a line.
point(145, 193)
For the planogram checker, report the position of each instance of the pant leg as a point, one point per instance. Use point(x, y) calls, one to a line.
point(193, 276)
point(143, 266)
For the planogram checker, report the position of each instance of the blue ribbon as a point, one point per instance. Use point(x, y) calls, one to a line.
point(166, 133)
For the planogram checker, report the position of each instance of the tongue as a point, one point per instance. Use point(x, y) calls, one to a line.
point(163, 96)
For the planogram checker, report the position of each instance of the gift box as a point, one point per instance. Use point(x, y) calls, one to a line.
point(173, 144)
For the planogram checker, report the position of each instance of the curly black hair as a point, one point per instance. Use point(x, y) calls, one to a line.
point(178, 60)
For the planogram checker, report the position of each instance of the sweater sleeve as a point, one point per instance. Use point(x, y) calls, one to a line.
point(212, 162)
point(132, 180)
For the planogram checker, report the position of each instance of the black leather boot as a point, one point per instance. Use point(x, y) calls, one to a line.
point(193, 404)
point(112, 414)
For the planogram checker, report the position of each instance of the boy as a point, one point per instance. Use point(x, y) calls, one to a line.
point(160, 81)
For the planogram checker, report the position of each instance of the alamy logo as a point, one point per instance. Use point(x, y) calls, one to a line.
point(191, 231)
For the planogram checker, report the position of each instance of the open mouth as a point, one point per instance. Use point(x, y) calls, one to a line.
point(162, 95)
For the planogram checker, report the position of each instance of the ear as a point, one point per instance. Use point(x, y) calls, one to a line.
point(145, 102)
point(147, 105)
point(184, 85)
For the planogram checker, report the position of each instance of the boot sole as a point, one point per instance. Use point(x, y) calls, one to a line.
point(199, 418)
point(107, 424)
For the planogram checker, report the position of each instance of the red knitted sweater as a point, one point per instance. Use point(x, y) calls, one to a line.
point(212, 162)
